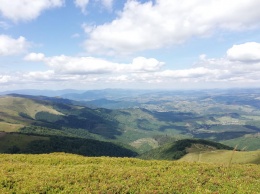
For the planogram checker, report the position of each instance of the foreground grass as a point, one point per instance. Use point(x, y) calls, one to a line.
point(66, 173)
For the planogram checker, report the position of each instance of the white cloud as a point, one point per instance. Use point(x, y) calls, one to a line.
point(5, 79)
point(40, 75)
point(23, 10)
point(87, 28)
point(107, 3)
point(188, 73)
point(10, 46)
point(247, 52)
point(121, 78)
point(142, 72)
point(142, 26)
point(82, 4)
point(81, 65)
point(90, 65)
point(34, 57)
point(141, 64)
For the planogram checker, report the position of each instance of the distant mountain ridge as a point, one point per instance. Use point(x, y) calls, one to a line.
point(49, 93)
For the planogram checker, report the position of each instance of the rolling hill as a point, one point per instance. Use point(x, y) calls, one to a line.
point(147, 121)
point(42, 125)
point(198, 150)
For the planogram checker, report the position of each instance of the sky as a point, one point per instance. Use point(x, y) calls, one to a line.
point(133, 44)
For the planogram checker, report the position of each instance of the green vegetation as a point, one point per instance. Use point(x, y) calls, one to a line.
point(176, 150)
point(215, 115)
point(9, 142)
point(66, 173)
point(247, 142)
point(158, 128)
point(223, 157)
point(22, 143)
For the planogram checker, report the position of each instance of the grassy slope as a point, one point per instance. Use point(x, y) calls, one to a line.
point(10, 127)
point(22, 143)
point(65, 173)
point(202, 151)
point(248, 142)
point(175, 150)
point(224, 157)
point(11, 108)
point(8, 140)
point(14, 105)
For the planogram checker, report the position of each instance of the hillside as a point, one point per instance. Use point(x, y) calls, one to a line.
point(148, 120)
point(198, 150)
point(33, 144)
point(43, 125)
point(30, 112)
point(230, 116)
point(66, 173)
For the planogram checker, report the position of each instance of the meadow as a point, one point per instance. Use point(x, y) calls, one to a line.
point(67, 173)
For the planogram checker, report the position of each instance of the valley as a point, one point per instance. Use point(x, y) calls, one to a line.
point(137, 120)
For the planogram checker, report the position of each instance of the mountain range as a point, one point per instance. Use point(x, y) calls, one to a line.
point(128, 122)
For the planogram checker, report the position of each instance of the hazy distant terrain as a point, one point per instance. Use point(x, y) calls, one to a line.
point(139, 120)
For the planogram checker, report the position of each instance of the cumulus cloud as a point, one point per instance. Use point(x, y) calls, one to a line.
point(11, 46)
point(90, 65)
point(34, 57)
point(107, 3)
point(40, 75)
point(141, 72)
point(247, 52)
point(149, 25)
point(5, 79)
point(24, 10)
point(81, 65)
point(82, 4)
point(189, 73)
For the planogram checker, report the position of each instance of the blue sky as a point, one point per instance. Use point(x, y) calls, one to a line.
point(160, 44)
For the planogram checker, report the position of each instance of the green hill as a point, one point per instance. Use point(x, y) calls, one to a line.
point(66, 173)
point(45, 116)
point(198, 150)
point(32, 144)
point(176, 150)
point(31, 124)
point(140, 129)
point(20, 113)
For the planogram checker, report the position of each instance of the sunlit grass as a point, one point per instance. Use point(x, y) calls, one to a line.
point(66, 173)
